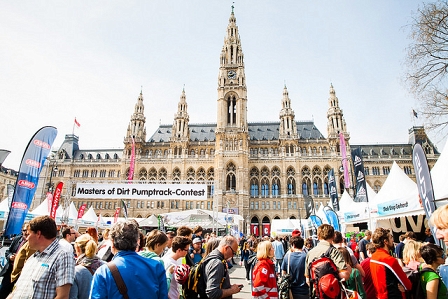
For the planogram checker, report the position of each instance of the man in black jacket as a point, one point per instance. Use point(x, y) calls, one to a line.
point(10, 255)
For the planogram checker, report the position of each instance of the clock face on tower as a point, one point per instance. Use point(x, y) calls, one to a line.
point(231, 74)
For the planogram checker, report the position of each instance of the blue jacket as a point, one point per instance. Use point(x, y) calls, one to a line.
point(144, 278)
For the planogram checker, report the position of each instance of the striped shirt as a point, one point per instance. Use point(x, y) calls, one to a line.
point(44, 272)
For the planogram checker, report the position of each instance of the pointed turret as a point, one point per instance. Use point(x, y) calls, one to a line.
point(136, 127)
point(288, 127)
point(180, 131)
point(336, 122)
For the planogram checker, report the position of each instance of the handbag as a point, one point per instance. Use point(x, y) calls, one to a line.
point(284, 286)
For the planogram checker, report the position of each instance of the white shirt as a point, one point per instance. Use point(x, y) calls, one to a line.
point(173, 292)
point(66, 246)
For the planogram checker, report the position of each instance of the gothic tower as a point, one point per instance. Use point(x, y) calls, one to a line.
point(336, 123)
point(231, 152)
point(136, 130)
point(288, 127)
point(180, 135)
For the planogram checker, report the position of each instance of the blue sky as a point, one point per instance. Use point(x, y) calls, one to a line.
point(89, 59)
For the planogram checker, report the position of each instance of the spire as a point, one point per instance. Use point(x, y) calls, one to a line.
point(136, 127)
point(288, 127)
point(180, 130)
point(335, 116)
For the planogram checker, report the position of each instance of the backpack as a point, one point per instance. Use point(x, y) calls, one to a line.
point(195, 285)
point(415, 276)
point(324, 277)
point(284, 285)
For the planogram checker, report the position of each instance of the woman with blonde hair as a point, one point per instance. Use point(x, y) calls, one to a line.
point(439, 219)
point(86, 264)
point(411, 254)
point(263, 276)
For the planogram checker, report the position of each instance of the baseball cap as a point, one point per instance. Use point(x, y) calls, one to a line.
point(296, 233)
point(197, 240)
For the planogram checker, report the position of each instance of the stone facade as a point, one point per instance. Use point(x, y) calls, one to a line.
point(261, 170)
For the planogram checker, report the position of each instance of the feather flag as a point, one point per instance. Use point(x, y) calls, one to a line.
point(125, 209)
point(344, 160)
point(33, 160)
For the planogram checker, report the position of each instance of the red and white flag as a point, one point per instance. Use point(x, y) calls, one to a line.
point(77, 123)
point(117, 212)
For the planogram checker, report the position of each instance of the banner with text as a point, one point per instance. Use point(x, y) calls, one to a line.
point(333, 190)
point(398, 206)
point(33, 160)
point(141, 191)
point(361, 188)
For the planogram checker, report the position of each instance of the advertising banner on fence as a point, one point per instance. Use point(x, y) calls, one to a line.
point(141, 191)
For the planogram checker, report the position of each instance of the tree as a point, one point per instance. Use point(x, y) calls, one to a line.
point(427, 62)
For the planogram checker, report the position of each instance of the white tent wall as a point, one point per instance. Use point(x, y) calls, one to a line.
point(438, 177)
point(284, 227)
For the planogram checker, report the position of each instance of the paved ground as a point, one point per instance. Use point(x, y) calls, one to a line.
point(238, 276)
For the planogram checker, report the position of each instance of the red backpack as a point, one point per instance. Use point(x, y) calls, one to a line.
point(324, 277)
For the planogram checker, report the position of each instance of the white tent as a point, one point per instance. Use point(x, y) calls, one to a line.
point(72, 212)
point(438, 176)
point(90, 218)
point(44, 209)
point(398, 196)
point(4, 207)
point(151, 221)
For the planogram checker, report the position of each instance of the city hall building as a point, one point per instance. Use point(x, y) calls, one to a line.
point(261, 170)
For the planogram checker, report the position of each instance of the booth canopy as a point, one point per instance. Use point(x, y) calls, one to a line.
point(439, 174)
point(398, 196)
point(193, 220)
point(151, 221)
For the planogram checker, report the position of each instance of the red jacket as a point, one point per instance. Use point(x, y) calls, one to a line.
point(387, 274)
point(264, 280)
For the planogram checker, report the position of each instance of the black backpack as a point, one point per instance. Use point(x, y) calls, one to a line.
point(415, 276)
point(324, 277)
point(195, 285)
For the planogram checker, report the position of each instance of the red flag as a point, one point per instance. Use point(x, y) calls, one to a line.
point(77, 123)
point(81, 210)
point(132, 162)
point(56, 197)
point(117, 212)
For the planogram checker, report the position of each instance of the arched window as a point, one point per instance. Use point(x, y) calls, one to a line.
point(264, 187)
point(326, 192)
point(231, 178)
point(275, 187)
point(254, 187)
point(291, 186)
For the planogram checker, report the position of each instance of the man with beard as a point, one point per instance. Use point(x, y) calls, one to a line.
point(388, 277)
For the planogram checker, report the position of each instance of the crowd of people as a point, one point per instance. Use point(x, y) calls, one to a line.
point(46, 262)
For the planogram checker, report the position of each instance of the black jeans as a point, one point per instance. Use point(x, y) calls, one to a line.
point(247, 266)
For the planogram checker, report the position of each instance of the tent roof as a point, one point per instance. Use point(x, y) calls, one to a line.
point(193, 220)
point(439, 173)
point(42, 209)
point(4, 205)
point(174, 217)
point(151, 221)
point(90, 216)
point(397, 185)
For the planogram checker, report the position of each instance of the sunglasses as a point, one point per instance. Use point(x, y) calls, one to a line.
point(233, 252)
